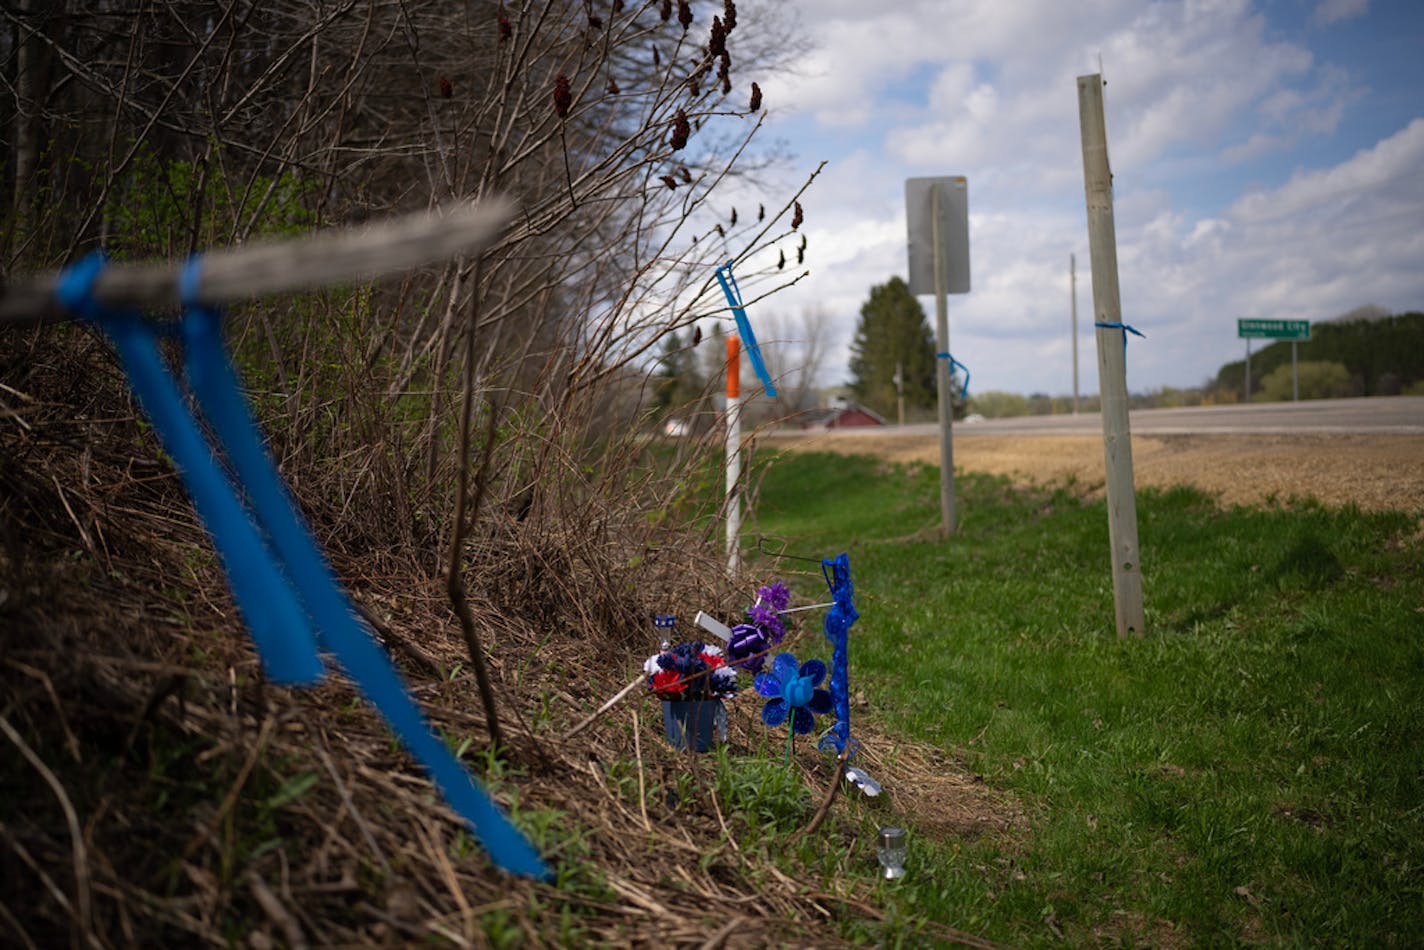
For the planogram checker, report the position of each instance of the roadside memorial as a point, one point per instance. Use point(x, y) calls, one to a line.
point(692, 679)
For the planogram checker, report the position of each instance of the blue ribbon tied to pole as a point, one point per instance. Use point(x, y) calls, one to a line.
point(283, 586)
point(963, 390)
point(1125, 328)
point(733, 294)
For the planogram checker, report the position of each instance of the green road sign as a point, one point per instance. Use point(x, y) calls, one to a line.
point(1273, 329)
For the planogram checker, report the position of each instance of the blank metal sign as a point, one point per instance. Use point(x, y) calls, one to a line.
point(953, 232)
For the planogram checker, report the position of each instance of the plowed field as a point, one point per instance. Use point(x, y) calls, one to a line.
point(1376, 472)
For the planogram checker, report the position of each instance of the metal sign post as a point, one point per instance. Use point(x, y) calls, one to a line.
point(1293, 330)
point(937, 219)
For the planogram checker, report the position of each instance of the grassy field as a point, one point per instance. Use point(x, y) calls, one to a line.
point(1252, 770)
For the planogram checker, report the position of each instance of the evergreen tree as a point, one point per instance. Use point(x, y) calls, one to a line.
point(680, 384)
point(713, 358)
point(893, 332)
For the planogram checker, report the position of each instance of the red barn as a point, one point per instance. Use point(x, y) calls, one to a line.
point(839, 417)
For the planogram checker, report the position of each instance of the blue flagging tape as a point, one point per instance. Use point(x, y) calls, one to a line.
point(964, 390)
point(263, 595)
point(307, 575)
point(733, 294)
point(1123, 327)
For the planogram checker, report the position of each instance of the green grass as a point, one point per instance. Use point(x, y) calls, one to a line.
point(1251, 770)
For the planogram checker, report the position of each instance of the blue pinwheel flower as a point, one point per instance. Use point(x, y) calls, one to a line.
point(792, 692)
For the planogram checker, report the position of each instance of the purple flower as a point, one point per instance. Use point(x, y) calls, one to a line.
point(748, 646)
point(765, 616)
point(778, 595)
point(792, 692)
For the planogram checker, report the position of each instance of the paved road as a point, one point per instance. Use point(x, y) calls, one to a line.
point(1379, 415)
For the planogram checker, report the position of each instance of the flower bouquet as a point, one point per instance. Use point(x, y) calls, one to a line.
point(691, 679)
point(751, 642)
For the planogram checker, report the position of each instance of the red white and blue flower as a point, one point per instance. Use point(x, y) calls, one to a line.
point(690, 671)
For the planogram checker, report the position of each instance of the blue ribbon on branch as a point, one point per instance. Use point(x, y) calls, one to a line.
point(744, 326)
point(963, 390)
point(286, 591)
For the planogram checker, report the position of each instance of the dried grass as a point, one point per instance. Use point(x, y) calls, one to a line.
point(154, 785)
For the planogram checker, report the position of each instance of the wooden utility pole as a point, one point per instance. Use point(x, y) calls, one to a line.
point(1112, 360)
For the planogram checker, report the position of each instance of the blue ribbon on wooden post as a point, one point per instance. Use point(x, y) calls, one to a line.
point(1123, 327)
point(277, 572)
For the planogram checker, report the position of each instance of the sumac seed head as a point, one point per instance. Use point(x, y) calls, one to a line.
point(681, 129)
point(563, 96)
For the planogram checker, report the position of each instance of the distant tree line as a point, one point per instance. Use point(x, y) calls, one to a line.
point(1369, 356)
point(1366, 352)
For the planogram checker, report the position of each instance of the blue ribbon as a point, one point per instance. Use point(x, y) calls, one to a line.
point(1126, 330)
point(963, 390)
point(744, 326)
point(307, 576)
point(262, 594)
point(837, 625)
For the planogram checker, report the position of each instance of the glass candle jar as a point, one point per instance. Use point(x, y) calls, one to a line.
point(892, 849)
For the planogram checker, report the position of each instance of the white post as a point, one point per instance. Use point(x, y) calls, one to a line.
point(942, 377)
point(734, 453)
point(1073, 292)
point(1112, 360)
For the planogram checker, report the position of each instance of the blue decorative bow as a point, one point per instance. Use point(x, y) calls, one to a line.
point(838, 623)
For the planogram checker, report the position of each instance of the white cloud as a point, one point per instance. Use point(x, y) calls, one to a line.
point(1373, 178)
point(1198, 92)
point(1334, 11)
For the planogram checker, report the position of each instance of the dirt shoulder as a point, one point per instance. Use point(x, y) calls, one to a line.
point(1376, 472)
